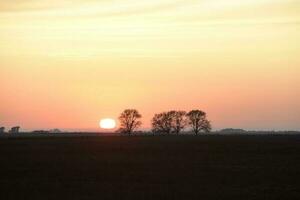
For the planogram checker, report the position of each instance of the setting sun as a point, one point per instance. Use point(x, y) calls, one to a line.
point(108, 123)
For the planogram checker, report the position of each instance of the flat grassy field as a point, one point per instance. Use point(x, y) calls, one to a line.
point(145, 167)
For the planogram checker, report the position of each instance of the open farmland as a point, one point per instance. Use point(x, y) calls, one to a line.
point(150, 167)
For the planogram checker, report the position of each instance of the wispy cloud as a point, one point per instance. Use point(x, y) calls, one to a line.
point(36, 5)
point(178, 10)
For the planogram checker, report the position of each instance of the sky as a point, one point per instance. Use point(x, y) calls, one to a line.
point(69, 63)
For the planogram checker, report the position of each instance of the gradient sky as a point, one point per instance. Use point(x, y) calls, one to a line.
point(68, 63)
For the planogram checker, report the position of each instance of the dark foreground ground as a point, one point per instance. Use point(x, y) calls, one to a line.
point(186, 167)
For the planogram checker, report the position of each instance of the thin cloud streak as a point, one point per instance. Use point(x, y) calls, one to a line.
point(216, 12)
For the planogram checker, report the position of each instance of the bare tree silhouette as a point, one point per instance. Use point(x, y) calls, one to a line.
point(129, 121)
point(169, 122)
point(178, 121)
point(162, 123)
point(198, 121)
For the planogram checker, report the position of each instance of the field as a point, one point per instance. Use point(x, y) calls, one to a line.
point(145, 167)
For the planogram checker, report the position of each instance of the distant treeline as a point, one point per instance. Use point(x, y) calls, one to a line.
point(164, 123)
point(171, 122)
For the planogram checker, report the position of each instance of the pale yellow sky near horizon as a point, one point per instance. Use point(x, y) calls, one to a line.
point(68, 63)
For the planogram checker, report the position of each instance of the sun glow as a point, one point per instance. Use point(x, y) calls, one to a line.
point(108, 123)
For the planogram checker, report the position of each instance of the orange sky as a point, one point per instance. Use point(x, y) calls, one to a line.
point(67, 64)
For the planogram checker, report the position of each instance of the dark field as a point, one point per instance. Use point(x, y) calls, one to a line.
point(186, 167)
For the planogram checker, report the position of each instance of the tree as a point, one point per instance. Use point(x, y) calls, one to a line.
point(162, 123)
point(178, 121)
point(168, 122)
point(129, 121)
point(198, 121)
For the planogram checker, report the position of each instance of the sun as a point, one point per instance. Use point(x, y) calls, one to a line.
point(108, 123)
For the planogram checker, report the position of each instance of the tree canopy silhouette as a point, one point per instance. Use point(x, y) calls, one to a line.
point(162, 123)
point(178, 121)
point(129, 121)
point(198, 121)
point(169, 122)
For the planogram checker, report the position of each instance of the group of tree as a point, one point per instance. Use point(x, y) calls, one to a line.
point(171, 122)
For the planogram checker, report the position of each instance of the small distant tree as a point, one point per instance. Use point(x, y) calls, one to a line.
point(178, 121)
point(198, 121)
point(162, 123)
point(129, 121)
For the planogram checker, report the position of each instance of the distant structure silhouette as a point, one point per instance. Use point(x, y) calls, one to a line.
point(47, 131)
point(14, 130)
point(233, 130)
point(2, 129)
point(40, 132)
point(55, 131)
